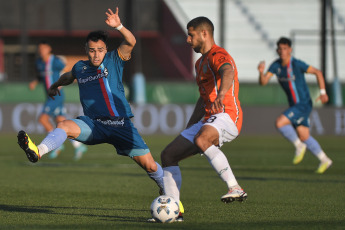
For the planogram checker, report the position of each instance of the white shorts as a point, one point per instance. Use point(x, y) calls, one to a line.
point(221, 121)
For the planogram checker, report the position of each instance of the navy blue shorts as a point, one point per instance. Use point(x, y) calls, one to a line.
point(299, 114)
point(119, 132)
point(54, 108)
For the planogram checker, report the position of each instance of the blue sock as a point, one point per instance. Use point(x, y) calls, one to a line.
point(157, 176)
point(289, 133)
point(55, 139)
point(313, 145)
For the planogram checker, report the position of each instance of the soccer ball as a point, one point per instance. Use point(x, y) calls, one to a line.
point(164, 209)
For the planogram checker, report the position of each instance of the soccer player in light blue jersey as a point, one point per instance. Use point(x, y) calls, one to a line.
point(106, 111)
point(293, 124)
point(49, 67)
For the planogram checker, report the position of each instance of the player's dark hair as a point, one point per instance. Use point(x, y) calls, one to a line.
point(285, 41)
point(201, 21)
point(44, 42)
point(96, 36)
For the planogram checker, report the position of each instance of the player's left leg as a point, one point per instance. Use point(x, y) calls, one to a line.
point(44, 120)
point(180, 148)
point(314, 147)
point(153, 169)
point(128, 142)
point(218, 129)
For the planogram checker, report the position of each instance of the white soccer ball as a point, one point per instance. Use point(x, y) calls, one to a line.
point(164, 209)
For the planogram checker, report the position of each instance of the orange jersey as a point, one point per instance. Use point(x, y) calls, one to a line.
point(208, 79)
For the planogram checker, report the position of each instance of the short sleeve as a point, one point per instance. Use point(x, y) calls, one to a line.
point(219, 59)
point(115, 58)
point(74, 74)
point(302, 65)
point(59, 64)
point(273, 68)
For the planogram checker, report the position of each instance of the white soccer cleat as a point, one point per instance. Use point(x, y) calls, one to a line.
point(324, 166)
point(235, 194)
point(299, 154)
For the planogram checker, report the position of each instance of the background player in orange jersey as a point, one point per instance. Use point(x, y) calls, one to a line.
point(217, 117)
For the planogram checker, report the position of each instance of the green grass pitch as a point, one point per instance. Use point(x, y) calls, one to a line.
point(107, 191)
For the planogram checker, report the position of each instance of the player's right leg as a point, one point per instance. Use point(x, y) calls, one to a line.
point(52, 141)
point(284, 126)
point(219, 129)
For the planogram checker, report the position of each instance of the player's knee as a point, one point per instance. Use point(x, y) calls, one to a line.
point(278, 123)
point(150, 167)
point(63, 125)
point(303, 137)
point(202, 143)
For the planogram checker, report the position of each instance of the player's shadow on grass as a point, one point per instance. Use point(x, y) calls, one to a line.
point(67, 211)
point(28, 209)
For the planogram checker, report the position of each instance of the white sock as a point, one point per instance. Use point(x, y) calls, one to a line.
point(172, 181)
point(220, 163)
point(42, 149)
point(75, 144)
point(322, 156)
point(297, 143)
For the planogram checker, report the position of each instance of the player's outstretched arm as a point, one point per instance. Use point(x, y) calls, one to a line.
point(321, 81)
point(65, 79)
point(113, 20)
point(263, 78)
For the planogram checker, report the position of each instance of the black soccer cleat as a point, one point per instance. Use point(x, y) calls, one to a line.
point(28, 146)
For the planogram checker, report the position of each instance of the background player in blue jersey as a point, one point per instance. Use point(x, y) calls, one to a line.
point(290, 74)
point(49, 68)
point(107, 112)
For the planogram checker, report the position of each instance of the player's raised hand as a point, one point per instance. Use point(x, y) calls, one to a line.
point(113, 19)
point(261, 66)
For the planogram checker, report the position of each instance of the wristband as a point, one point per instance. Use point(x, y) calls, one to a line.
point(119, 27)
point(322, 91)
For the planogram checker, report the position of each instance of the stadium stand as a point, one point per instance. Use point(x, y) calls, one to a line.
point(252, 27)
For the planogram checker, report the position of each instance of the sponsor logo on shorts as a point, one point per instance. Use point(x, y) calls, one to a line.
point(299, 121)
point(291, 114)
point(112, 122)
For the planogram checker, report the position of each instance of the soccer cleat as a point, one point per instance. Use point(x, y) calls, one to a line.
point(28, 146)
point(180, 217)
point(180, 206)
point(151, 220)
point(236, 194)
point(324, 166)
point(56, 152)
point(79, 152)
point(300, 151)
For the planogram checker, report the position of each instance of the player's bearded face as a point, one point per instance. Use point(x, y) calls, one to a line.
point(96, 52)
point(194, 39)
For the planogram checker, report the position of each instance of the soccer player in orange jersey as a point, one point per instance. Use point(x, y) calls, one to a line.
point(217, 117)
